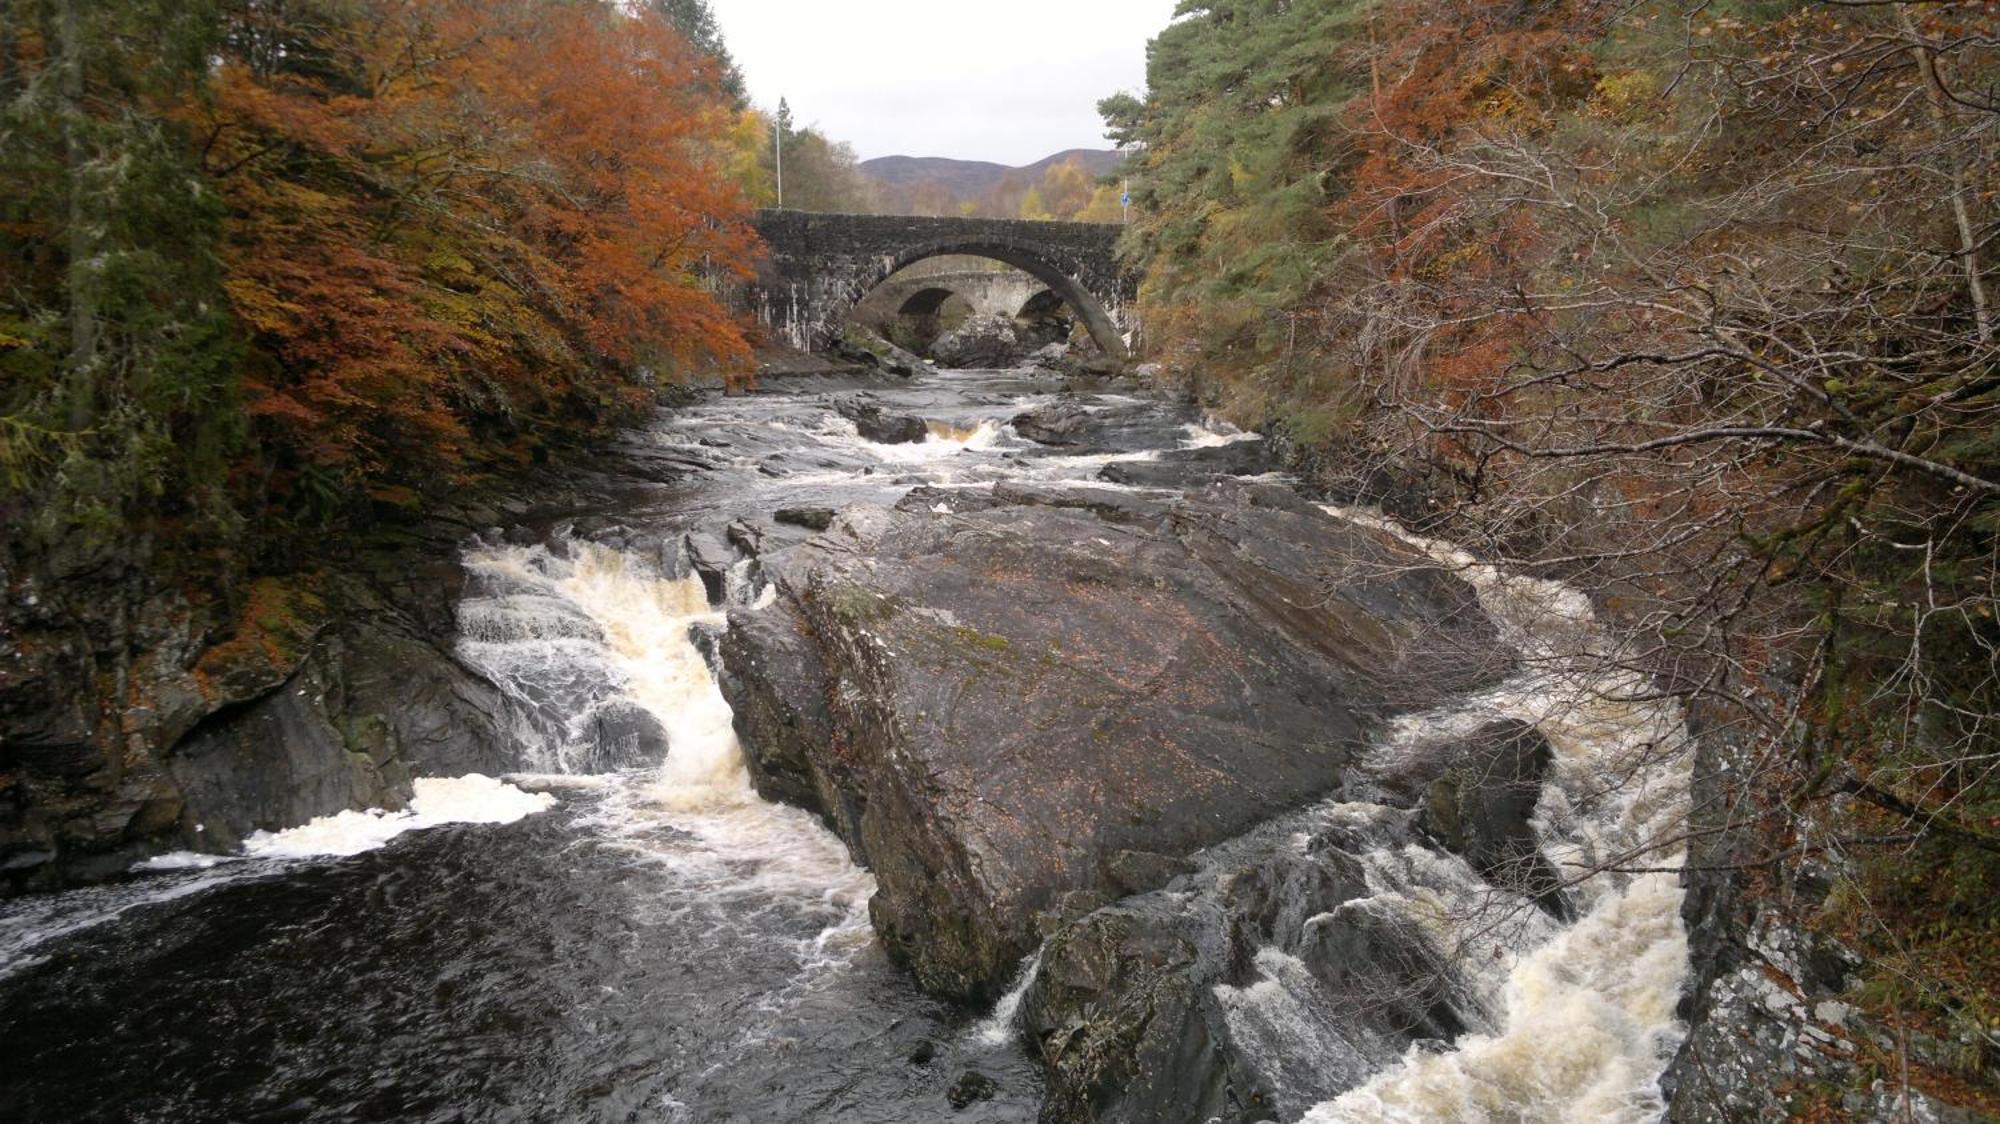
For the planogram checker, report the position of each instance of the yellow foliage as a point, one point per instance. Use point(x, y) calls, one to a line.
point(1619, 94)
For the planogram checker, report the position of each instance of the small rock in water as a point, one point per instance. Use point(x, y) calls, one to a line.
point(1058, 423)
point(811, 518)
point(971, 1088)
point(881, 428)
point(924, 1054)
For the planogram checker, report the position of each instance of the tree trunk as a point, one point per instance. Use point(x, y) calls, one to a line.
point(79, 383)
point(1968, 242)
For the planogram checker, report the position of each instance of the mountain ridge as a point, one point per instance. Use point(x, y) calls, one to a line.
point(973, 178)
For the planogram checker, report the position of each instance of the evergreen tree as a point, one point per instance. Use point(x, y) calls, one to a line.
point(695, 20)
point(117, 362)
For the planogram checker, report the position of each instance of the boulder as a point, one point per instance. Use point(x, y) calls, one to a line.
point(1069, 425)
point(1260, 982)
point(1011, 704)
point(1053, 357)
point(981, 342)
point(866, 348)
point(711, 558)
point(1062, 422)
point(811, 518)
point(624, 735)
point(369, 708)
point(1479, 808)
point(1187, 468)
point(881, 428)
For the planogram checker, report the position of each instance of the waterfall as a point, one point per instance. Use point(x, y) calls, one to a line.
point(583, 629)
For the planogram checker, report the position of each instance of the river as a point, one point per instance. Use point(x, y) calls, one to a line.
point(611, 936)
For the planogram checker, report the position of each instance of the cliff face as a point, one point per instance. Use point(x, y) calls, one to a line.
point(142, 713)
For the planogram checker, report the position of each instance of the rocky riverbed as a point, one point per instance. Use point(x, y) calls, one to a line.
point(978, 744)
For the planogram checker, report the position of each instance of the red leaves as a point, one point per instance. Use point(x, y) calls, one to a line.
point(471, 235)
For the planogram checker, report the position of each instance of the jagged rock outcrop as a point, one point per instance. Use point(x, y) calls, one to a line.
point(368, 708)
point(1064, 422)
point(141, 714)
point(869, 350)
point(1000, 700)
point(1187, 468)
point(1181, 1004)
point(882, 428)
point(1074, 425)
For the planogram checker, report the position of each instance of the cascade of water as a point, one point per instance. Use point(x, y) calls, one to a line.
point(694, 813)
point(997, 1028)
point(580, 632)
point(1584, 1014)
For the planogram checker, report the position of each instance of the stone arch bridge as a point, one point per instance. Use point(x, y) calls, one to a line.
point(822, 265)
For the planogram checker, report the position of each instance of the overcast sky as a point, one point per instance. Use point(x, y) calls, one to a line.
point(1005, 80)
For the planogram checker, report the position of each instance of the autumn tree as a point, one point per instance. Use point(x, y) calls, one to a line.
point(278, 257)
point(1066, 188)
point(1689, 304)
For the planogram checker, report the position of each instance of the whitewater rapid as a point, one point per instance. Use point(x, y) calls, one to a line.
point(1584, 1015)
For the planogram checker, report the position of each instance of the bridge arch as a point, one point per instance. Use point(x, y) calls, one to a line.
point(1043, 319)
point(926, 302)
point(922, 316)
point(1096, 318)
point(822, 265)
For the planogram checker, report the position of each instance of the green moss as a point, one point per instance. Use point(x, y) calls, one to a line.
point(972, 637)
point(855, 605)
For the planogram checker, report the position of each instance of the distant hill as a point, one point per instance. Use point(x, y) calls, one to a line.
point(969, 179)
point(1100, 161)
point(960, 177)
point(926, 183)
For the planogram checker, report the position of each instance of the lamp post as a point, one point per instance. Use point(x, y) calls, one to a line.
point(784, 119)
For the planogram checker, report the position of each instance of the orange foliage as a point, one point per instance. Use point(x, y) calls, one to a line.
point(483, 233)
point(1460, 67)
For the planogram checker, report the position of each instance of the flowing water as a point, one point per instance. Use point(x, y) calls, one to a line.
point(614, 936)
point(1582, 1015)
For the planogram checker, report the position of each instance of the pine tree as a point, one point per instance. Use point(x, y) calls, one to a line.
point(695, 20)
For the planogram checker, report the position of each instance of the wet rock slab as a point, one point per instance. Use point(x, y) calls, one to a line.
point(1009, 701)
point(1181, 1004)
point(875, 425)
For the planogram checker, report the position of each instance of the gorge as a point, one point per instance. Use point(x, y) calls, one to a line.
point(954, 676)
point(1451, 573)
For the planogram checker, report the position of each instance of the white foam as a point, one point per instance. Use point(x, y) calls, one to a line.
point(997, 1028)
point(1211, 433)
point(182, 860)
point(944, 442)
point(437, 801)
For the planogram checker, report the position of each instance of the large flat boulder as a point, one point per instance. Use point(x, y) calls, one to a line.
point(1016, 703)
